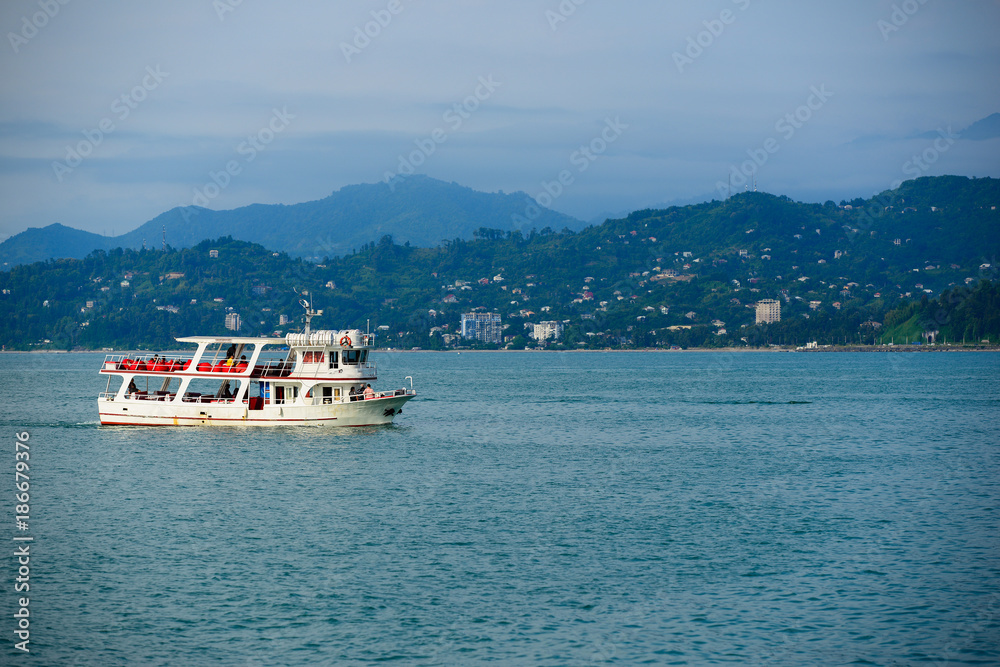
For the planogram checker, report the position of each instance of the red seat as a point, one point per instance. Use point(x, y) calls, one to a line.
point(204, 367)
point(187, 364)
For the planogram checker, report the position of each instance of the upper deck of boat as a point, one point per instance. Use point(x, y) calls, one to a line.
point(338, 355)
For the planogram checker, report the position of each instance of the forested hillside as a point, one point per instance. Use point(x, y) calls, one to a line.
point(682, 276)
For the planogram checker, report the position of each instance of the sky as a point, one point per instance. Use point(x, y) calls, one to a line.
point(114, 112)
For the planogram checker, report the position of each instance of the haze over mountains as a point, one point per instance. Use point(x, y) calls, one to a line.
point(420, 210)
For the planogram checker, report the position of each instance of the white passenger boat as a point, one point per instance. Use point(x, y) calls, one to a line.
point(324, 377)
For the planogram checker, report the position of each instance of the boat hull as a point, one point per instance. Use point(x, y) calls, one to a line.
point(152, 413)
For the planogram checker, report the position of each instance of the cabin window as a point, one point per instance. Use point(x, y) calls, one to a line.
point(352, 356)
point(364, 356)
point(328, 395)
point(333, 359)
point(313, 357)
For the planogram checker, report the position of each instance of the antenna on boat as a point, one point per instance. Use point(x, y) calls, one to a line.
point(310, 313)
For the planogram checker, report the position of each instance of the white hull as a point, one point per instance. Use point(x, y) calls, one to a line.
point(152, 413)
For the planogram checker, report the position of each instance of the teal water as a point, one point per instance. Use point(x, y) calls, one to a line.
point(527, 508)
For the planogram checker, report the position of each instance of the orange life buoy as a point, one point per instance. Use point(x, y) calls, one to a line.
point(345, 341)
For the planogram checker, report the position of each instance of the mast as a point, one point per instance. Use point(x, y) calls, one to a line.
point(310, 313)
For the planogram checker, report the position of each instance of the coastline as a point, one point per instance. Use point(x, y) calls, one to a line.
point(828, 349)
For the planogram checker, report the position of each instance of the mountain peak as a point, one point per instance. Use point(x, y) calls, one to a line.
point(986, 128)
point(417, 209)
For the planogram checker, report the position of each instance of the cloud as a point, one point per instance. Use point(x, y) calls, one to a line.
point(354, 119)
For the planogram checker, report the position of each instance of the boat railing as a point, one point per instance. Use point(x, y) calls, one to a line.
point(183, 364)
point(162, 396)
point(273, 368)
point(309, 371)
point(378, 394)
point(192, 397)
point(166, 397)
point(147, 362)
point(171, 364)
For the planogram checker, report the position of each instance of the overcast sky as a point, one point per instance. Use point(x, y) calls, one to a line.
point(297, 101)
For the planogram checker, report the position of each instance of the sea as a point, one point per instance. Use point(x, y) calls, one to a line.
point(527, 508)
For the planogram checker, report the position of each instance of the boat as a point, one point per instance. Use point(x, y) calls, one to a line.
point(312, 378)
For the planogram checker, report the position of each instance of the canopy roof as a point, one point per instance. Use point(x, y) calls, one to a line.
point(231, 339)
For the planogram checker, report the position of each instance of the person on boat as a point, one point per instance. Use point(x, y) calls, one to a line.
point(369, 392)
point(353, 395)
point(131, 387)
point(231, 352)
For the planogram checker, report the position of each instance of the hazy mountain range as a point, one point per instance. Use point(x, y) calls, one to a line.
point(420, 210)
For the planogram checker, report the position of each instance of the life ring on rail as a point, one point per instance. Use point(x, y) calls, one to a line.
point(345, 341)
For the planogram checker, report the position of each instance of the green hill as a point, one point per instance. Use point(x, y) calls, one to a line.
point(681, 276)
